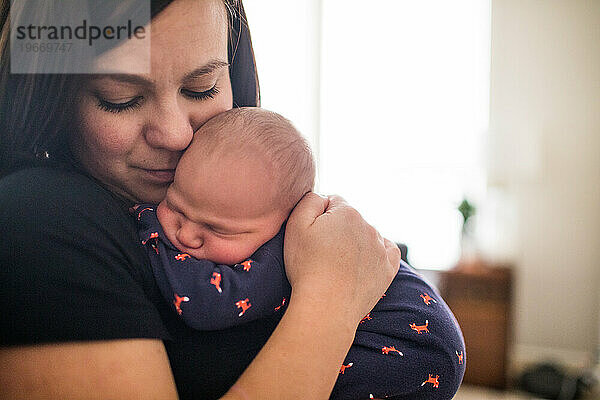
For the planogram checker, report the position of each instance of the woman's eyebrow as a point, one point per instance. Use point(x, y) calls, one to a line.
point(128, 78)
point(206, 69)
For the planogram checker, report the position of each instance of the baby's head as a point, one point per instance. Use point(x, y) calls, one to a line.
point(236, 184)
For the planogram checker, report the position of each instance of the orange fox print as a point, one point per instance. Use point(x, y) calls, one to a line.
point(460, 357)
point(386, 350)
point(153, 244)
point(435, 381)
point(427, 298)
point(153, 235)
point(420, 328)
point(343, 368)
point(244, 305)
point(182, 256)
point(216, 280)
point(177, 302)
point(366, 318)
point(246, 265)
point(139, 216)
point(282, 304)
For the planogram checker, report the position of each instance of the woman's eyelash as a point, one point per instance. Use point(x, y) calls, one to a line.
point(210, 93)
point(118, 107)
point(136, 102)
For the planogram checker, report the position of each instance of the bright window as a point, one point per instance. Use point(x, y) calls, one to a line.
point(394, 96)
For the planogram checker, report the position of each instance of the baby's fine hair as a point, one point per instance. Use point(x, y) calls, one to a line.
point(252, 129)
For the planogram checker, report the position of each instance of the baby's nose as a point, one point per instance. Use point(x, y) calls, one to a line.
point(189, 237)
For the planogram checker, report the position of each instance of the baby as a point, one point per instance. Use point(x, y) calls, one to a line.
point(234, 188)
point(235, 185)
point(216, 248)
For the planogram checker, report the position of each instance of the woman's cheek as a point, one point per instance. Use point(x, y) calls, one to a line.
point(100, 132)
point(111, 134)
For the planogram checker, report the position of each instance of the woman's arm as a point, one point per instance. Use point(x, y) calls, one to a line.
point(302, 358)
point(116, 369)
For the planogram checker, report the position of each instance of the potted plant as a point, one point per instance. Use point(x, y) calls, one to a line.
point(469, 257)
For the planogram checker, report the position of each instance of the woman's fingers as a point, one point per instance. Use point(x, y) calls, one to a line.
point(308, 209)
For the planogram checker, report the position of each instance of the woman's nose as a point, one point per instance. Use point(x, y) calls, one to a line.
point(170, 128)
point(189, 236)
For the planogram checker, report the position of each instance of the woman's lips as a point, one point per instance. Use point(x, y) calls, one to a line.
point(160, 175)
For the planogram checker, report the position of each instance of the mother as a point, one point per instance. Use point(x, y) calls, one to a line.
point(82, 315)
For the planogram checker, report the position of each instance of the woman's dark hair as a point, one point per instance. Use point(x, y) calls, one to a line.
point(36, 110)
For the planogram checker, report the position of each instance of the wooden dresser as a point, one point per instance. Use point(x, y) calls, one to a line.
point(480, 297)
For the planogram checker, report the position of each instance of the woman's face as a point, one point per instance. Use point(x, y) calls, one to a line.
point(132, 129)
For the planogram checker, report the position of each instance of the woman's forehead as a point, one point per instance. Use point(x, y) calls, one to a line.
point(190, 34)
point(186, 35)
point(196, 20)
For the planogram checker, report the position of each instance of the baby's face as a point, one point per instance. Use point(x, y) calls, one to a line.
point(220, 209)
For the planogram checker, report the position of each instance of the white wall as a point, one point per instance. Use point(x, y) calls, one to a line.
point(545, 157)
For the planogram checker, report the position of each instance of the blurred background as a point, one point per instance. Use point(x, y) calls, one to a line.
point(414, 108)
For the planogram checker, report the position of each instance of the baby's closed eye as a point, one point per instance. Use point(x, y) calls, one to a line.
point(222, 231)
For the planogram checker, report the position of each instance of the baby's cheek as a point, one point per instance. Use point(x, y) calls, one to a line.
point(167, 222)
point(227, 251)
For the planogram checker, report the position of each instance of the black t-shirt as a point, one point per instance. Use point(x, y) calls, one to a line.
point(72, 269)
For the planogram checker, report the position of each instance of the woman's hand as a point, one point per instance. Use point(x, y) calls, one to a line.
point(339, 266)
point(335, 258)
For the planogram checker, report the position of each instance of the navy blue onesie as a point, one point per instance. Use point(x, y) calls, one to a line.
point(209, 296)
point(393, 349)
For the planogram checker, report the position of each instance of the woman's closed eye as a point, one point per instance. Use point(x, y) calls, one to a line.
point(118, 107)
point(136, 102)
point(203, 95)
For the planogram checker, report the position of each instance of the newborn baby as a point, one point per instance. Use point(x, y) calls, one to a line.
point(235, 185)
point(216, 248)
point(217, 237)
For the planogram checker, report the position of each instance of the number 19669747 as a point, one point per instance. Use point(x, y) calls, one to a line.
point(45, 47)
